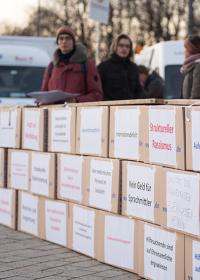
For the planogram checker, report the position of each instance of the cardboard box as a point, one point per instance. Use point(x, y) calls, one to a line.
point(82, 235)
point(3, 167)
point(117, 241)
point(56, 221)
point(10, 127)
point(161, 253)
point(92, 131)
point(141, 191)
point(192, 258)
point(8, 211)
point(43, 174)
point(181, 201)
point(164, 142)
point(102, 183)
point(61, 129)
point(126, 132)
point(34, 129)
point(70, 178)
point(29, 214)
point(19, 169)
point(192, 116)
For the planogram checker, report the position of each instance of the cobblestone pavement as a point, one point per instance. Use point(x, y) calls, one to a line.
point(24, 257)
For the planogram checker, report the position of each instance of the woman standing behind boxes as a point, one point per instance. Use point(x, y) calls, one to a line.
point(191, 68)
point(119, 75)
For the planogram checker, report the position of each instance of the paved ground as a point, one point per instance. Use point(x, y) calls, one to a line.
point(24, 257)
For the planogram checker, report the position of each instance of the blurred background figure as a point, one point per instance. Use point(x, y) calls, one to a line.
point(119, 75)
point(191, 68)
point(152, 83)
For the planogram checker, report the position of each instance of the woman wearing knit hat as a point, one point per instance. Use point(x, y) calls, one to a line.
point(191, 68)
point(71, 70)
point(119, 75)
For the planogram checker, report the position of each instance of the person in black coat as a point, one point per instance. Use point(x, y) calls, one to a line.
point(152, 83)
point(119, 75)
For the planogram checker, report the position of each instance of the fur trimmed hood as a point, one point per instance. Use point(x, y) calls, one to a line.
point(80, 55)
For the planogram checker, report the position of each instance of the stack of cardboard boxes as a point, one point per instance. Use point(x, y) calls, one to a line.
point(117, 181)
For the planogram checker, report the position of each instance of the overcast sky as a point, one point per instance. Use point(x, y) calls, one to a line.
point(16, 11)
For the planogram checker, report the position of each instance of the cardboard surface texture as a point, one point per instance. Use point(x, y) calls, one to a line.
point(3, 167)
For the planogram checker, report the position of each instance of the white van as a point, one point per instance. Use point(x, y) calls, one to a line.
point(165, 58)
point(21, 71)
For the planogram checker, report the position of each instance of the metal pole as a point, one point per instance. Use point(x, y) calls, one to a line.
point(97, 40)
point(190, 17)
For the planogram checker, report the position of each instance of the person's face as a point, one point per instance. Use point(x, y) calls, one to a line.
point(142, 78)
point(65, 43)
point(123, 48)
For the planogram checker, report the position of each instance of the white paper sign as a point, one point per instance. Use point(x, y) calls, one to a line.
point(56, 222)
point(162, 136)
point(60, 130)
point(183, 202)
point(119, 241)
point(31, 135)
point(40, 167)
point(29, 213)
point(140, 191)
point(99, 10)
point(195, 260)
point(19, 170)
point(2, 167)
point(195, 140)
point(126, 138)
point(101, 184)
point(8, 129)
point(71, 177)
point(6, 207)
point(83, 230)
point(159, 253)
point(91, 131)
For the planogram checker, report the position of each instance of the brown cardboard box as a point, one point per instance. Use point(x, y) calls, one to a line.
point(181, 201)
point(34, 129)
point(29, 214)
point(10, 127)
point(161, 253)
point(192, 258)
point(61, 129)
point(82, 235)
point(3, 167)
point(8, 211)
point(164, 143)
point(126, 132)
point(56, 221)
point(18, 169)
point(70, 178)
point(92, 131)
point(117, 241)
point(192, 116)
point(43, 174)
point(141, 191)
point(102, 183)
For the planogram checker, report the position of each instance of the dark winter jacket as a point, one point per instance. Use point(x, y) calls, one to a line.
point(69, 76)
point(120, 79)
point(154, 86)
point(191, 83)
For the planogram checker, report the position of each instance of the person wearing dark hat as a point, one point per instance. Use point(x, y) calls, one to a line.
point(119, 75)
point(151, 82)
point(191, 68)
point(71, 70)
